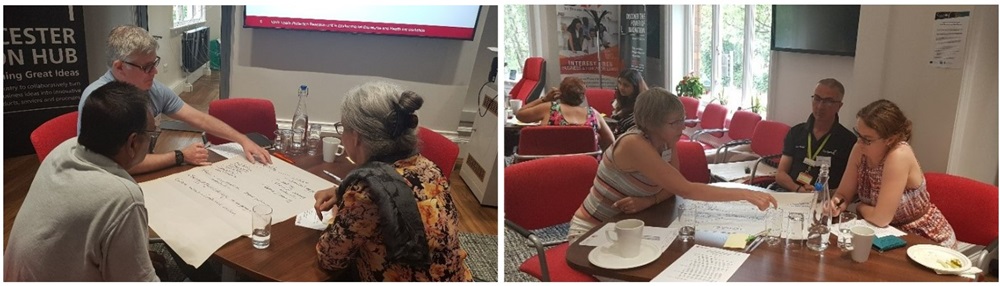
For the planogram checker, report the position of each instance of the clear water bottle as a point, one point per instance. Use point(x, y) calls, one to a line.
point(819, 233)
point(300, 123)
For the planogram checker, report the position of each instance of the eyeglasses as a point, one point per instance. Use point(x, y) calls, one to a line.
point(148, 67)
point(824, 101)
point(338, 127)
point(153, 136)
point(864, 140)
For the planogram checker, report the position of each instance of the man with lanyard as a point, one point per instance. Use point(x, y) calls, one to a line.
point(820, 140)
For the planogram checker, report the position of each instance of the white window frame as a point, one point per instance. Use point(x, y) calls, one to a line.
point(194, 18)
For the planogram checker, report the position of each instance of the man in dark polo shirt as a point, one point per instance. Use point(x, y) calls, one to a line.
point(820, 140)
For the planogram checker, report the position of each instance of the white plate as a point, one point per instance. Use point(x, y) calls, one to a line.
point(602, 257)
point(934, 257)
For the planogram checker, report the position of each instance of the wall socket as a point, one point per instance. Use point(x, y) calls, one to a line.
point(188, 87)
point(164, 68)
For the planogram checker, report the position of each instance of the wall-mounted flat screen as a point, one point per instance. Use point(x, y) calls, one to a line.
point(449, 22)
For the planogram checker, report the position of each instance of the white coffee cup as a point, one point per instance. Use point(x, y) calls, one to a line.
point(331, 149)
point(863, 237)
point(515, 105)
point(629, 238)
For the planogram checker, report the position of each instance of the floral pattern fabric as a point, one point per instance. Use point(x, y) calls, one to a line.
point(556, 118)
point(354, 238)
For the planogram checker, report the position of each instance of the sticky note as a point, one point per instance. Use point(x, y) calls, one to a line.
point(736, 240)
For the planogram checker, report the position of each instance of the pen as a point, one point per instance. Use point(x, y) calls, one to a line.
point(332, 175)
point(756, 243)
point(282, 157)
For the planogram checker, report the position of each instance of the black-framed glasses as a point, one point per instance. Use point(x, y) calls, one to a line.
point(148, 67)
point(154, 135)
point(864, 140)
point(338, 127)
point(824, 101)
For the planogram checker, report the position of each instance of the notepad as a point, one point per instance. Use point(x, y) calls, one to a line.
point(737, 240)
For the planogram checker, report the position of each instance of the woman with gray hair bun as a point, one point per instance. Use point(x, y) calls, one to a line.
point(394, 217)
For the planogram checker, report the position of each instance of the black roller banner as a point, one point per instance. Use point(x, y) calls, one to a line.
point(633, 52)
point(45, 69)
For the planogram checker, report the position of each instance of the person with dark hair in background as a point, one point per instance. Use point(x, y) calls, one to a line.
point(394, 218)
point(84, 218)
point(132, 58)
point(575, 30)
point(884, 173)
point(566, 107)
point(820, 140)
point(630, 85)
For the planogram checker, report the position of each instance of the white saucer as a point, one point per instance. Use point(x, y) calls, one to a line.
point(936, 257)
point(602, 257)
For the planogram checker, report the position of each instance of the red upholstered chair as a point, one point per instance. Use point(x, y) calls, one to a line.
point(693, 164)
point(970, 206)
point(532, 81)
point(553, 140)
point(542, 193)
point(690, 110)
point(767, 142)
point(439, 149)
point(53, 132)
point(740, 130)
point(246, 115)
point(601, 99)
point(713, 121)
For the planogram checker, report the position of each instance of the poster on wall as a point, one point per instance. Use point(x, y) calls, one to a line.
point(633, 38)
point(588, 43)
point(950, 31)
point(45, 69)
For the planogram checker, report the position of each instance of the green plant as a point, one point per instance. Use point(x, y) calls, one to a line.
point(691, 86)
point(755, 105)
point(721, 97)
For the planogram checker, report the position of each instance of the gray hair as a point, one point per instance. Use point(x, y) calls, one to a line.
point(127, 39)
point(652, 107)
point(834, 84)
point(383, 114)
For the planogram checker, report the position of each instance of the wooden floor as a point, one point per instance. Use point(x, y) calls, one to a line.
point(18, 172)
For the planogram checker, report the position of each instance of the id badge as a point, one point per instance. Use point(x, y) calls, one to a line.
point(821, 160)
point(809, 162)
point(804, 178)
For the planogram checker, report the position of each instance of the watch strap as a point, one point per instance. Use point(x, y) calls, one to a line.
point(178, 158)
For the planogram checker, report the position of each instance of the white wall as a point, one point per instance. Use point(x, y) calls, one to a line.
point(98, 22)
point(793, 80)
point(481, 69)
point(171, 72)
point(271, 64)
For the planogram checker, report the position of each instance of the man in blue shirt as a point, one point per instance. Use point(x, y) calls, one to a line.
point(132, 58)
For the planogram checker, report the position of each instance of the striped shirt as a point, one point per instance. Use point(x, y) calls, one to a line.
point(613, 184)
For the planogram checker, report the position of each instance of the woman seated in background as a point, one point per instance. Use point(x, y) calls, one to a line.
point(639, 170)
point(394, 218)
point(883, 171)
point(630, 85)
point(565, 106)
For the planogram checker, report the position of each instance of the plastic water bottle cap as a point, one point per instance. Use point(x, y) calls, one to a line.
point(818, 186)
point(302, 87)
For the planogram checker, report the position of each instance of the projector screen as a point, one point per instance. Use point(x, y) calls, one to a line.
point(450, 22)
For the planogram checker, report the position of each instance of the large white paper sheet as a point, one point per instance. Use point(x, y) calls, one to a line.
point(199, 210)
point(742, 216)
point(703, 264)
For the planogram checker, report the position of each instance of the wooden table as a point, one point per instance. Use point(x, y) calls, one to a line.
point(767, 263)
point(292, 253)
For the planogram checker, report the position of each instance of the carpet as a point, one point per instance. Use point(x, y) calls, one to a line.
point(481, 259)
point(517, 249)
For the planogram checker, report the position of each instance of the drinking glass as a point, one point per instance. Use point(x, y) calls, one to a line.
point(688, 220)
point(796, 223)
point(773, 222)
point(313, 139)
point(845, 222)
point(282, 140)
point(261, 233)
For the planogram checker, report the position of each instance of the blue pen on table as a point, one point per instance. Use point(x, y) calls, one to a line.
point(332, 175)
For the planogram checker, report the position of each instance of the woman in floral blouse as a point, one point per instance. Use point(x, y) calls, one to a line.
point(395, 219)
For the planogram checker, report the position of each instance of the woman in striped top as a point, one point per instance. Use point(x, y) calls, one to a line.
point(638, 170)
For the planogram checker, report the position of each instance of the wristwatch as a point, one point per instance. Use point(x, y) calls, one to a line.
point(178, 158)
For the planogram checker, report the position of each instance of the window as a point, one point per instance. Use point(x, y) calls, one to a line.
point(516, 43)
point(729, 49)
point(185, 15)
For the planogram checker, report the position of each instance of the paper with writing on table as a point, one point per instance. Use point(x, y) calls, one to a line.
point(199, 210)
point(741, 216)
point(228, 150)
point(879, 231)
point(659, 236)
point(703, 264)
point(308, 219)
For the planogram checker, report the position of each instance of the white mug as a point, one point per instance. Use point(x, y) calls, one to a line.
point(515, 105)
point(863, 238)
point(629, 238)
point(331, 149)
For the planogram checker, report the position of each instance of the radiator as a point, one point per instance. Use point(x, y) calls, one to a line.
point(194, 49)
